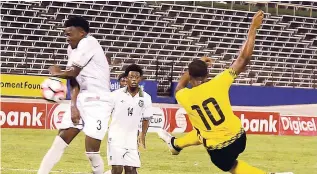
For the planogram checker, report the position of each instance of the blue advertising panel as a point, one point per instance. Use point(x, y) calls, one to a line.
point(240, 95)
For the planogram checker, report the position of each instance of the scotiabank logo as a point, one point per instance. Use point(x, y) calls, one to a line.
point(179, 121)
point(296, 125)
point(259, 122)
point(22, 115)
point(55, 115)
point(259, 125)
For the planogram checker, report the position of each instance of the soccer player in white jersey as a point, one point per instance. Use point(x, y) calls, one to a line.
point(130, 105)
point(90, 97)
point(122, 80)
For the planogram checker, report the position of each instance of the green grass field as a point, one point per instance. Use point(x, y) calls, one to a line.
point(22, 151)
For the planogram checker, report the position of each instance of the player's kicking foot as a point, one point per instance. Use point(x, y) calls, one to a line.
point(169, 140)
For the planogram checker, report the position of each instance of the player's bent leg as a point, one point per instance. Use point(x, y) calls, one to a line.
point(226, 158)
point(95, 114)
point(169, 140)
point(177, 144)
point(57, 149)
point(241, 167)
point(68, 134)
point(93, 154)
point(189, 139)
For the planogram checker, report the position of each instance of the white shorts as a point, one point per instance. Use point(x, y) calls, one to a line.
point(94, 111)
point(66, 121)
point(123, 157)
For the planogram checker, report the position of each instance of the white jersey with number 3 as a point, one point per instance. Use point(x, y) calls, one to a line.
point(126, 116)
point(90, 57)
point(93, 100)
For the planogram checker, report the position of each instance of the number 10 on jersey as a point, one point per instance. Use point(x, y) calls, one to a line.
point(209, 114)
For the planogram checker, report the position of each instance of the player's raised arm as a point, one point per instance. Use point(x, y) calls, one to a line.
point(247, 49)
point(182, 83)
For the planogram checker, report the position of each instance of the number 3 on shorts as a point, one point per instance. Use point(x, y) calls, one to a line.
point(99, 125)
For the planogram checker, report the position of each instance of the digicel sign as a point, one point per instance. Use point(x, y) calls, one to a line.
point(298, 125)
point(22, 115)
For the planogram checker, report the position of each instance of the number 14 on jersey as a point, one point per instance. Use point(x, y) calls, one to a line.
point(130, 111)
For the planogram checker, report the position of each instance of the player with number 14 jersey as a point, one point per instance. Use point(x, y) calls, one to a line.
point(130, 106)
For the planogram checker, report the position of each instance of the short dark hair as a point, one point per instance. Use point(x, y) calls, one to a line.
point(133, 67)
point(121, 76)
point(77, 21)
point(198, 68)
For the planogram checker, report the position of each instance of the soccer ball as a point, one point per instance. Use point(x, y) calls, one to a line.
point(53, 90)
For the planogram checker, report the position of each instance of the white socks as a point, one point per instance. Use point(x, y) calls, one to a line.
point(53, 155)
point(56, 151)
point(96, 162)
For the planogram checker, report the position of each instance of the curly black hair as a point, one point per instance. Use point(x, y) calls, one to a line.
point(133, 67)
point(121, 76)
point(77, 21)
point(198, 68)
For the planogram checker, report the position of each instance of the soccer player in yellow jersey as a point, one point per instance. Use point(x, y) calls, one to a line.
point(208, 105)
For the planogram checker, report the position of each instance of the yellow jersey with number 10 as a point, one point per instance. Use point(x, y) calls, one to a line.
point(209, 110)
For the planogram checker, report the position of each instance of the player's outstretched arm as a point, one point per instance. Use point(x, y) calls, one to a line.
point(247, 49)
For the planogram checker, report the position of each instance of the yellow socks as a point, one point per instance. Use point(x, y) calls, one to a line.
point(189, 139)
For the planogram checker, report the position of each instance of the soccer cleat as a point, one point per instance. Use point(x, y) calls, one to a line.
point(168, 139)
